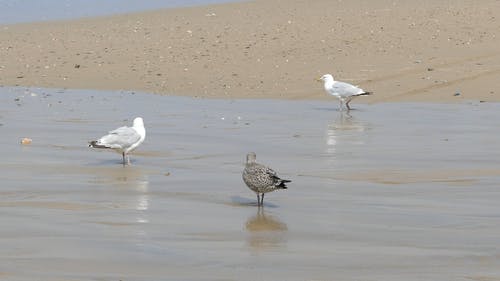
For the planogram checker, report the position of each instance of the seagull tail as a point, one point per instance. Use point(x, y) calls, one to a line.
point(282, 184)
point(365, 94)
point(95, 144)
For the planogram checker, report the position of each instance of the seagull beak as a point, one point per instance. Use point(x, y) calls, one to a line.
point(318, 79)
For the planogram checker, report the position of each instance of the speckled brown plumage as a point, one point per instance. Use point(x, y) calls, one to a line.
point(261, 179)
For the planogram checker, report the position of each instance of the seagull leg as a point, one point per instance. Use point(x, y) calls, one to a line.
point(340, 105)
point(262, 200)
point(347, 103)
point(258, 199)
point(123, 158)
point(128, 159)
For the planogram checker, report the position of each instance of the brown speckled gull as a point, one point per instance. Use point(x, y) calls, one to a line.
point(261, 179)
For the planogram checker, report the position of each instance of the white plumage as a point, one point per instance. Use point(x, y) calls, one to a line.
point(345, 92)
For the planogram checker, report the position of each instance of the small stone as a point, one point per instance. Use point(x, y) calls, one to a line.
point(26, 141)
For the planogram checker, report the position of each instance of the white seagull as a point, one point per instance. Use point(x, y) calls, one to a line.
point(345, 92)
point(123, 140)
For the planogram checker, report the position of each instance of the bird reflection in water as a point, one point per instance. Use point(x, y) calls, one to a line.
point(142, 200)
point(265, 231)
point(337, 130)
point(131, 188)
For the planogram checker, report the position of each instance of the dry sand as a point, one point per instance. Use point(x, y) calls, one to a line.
point(402, 50)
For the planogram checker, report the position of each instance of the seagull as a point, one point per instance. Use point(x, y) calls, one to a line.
point(345, 92)
point(261, 179)
point(123, 140)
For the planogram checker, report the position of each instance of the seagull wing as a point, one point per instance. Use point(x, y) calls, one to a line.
point(345, 89)
point(260, 176)
point(120, 138)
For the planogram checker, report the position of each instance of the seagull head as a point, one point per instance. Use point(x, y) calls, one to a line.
point(138, 122)
point(251, 157)
point(325, 78)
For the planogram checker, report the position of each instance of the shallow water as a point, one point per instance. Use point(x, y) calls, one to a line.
point(15, 11)
point(387, 192)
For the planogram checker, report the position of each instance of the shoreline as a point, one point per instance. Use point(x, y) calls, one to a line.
point(27, 11)
point(422, 51)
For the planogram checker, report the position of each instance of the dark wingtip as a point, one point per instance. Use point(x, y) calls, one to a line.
point(282, 184)
point(95, 145)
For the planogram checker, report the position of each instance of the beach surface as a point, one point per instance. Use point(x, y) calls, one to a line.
point(402, 50)
point(402, 187)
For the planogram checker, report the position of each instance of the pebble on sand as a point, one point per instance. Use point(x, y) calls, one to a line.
point(26, 141)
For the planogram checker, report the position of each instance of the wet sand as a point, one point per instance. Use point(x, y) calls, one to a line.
point(426, 50)
point(391, 191)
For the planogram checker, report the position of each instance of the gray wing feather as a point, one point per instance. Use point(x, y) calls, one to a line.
point(122, 137)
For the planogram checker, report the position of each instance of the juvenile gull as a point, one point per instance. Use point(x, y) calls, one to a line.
point(123, 140)
point(345, 92)
point(261, 179)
